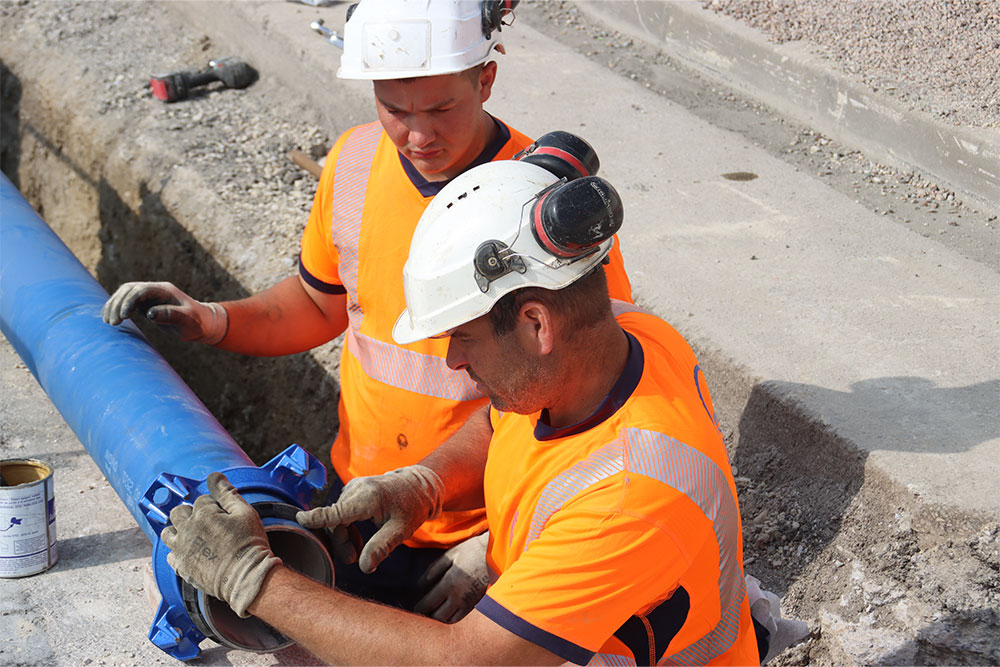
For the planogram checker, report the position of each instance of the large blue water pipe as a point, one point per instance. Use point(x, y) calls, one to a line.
point(152, 438)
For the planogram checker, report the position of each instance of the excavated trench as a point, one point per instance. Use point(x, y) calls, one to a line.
point(265, 403)
point(144, 192)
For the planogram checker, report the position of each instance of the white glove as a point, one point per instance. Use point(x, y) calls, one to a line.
point(459, 578)
point(398, 502)
point(166, 305)
point(765, 607)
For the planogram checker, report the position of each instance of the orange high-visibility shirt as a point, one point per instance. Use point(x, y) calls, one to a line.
point(618, 540)
point(397, 402)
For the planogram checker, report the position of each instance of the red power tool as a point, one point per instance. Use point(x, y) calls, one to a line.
point(232, 72)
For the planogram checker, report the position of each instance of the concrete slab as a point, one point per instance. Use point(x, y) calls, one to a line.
point(792, 80)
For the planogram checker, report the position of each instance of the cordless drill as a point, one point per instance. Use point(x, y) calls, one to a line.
point(232, 72)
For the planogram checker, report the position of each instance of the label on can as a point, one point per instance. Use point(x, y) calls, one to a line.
point(27, 519)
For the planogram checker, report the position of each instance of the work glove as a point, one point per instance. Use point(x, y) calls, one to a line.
point(219, 545)
point(765, 608)
point(398, 502)
point(458, 580)
point(169, 307)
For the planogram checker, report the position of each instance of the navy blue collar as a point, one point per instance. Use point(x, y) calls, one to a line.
point(429, 189)
point(626, 384)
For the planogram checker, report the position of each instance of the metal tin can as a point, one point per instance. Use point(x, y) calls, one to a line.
point(27, 518)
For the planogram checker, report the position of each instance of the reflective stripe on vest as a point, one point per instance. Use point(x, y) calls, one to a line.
point(354, 164)
point(387, 363)
point(399, 367)
point(612, 660)
point(688, 471)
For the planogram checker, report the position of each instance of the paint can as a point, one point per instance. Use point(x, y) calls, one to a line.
point(27, 518)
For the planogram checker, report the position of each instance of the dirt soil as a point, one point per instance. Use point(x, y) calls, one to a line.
point(878, 583)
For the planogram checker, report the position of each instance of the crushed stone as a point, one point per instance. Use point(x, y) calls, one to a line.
point(936, 56)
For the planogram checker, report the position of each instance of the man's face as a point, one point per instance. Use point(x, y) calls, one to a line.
point(437, 122)
point(511, 376)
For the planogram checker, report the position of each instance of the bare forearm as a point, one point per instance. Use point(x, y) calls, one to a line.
point(343, 630)
point(281, 320)
point(461, 460)
point(340, 629)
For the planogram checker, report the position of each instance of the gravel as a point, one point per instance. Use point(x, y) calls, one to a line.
point(937, 56)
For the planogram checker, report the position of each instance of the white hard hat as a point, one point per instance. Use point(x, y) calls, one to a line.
point(497, 228)
point(400, 39)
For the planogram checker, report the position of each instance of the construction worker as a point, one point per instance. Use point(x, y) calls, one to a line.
point(431, 70)
point(615, 533)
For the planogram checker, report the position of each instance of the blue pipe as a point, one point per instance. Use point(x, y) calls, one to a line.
point(152, 438)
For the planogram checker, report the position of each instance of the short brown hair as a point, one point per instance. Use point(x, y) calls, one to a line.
point(583, 304)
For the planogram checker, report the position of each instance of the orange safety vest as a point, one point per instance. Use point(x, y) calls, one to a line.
point(397, 402)
point(618, 541)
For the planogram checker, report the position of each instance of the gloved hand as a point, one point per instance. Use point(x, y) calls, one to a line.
point(168, 306)
point(219, 545)
point(459, 578)
point(398, 502)
point(765, 608)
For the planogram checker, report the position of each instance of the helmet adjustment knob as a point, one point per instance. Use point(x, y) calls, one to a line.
point(494, 259)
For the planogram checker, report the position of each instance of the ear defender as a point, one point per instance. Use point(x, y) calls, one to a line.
point(562, 153)
point(493, 14)
point(572, 219)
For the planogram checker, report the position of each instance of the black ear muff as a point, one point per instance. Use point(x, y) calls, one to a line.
point(494, 12)
point(572, 219)
point(562, 153)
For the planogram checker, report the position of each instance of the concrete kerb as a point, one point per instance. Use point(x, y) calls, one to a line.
point(798, 84)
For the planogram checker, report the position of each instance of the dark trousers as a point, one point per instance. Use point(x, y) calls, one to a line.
point(394, 581)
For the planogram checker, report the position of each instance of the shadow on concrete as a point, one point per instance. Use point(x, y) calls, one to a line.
point(911, 414)
point(266, 404)
point(102, 548)
point(804, 479)
point(60, 455)
point(10, 134)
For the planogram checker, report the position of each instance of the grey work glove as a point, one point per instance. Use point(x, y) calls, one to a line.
point(765, 608)
point(398, 502)
point(459, 578)
point(169, 307)
point(219, 545)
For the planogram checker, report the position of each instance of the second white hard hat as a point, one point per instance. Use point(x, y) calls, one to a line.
point(492, 230)
point(399, 39)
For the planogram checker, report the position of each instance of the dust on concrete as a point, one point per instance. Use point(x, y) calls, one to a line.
point(909, 198)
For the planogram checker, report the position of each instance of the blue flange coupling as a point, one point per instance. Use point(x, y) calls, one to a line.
point(277, 491)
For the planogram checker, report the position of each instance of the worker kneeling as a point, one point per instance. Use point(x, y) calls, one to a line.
point(614, 527)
